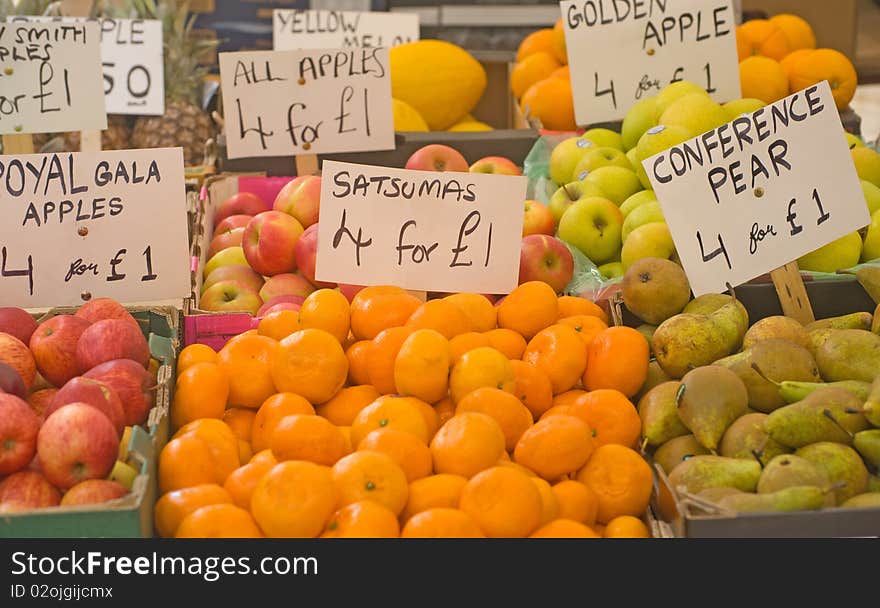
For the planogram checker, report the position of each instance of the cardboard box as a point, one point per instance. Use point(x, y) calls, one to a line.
point(835, 23)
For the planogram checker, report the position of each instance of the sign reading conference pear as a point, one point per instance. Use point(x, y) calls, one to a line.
point(759, 192)
point(420, 230)
point(287, 103)
point(622, 51)
point(85, 225)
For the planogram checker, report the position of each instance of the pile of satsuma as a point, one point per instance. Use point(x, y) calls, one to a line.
point(389, 416)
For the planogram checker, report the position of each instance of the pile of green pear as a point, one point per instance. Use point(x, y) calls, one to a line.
point(776, 416)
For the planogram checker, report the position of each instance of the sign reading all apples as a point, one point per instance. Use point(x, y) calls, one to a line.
point(50, 78)
point(420, 230)
point(622, 51)
point(284, 103)
point(756, 193)
point(322, 29)
point(85, 225)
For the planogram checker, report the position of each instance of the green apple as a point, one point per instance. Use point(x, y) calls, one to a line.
point(600, 157)
point(612, 270)
point(867, 164)
point(641, 117)
point(231, 256)
point(696, 113)
point(871, 248)
point(853, 141)
point(616, 183)
point(605, 138)
point(566, 195)
point(872, 196)
point(836, 255)
point(565, 157)
point(645, 214)
point(637, 200)
point(675, 91)
point(648, 241)
point(738, 107)
point(655, 140)
point(593, 226)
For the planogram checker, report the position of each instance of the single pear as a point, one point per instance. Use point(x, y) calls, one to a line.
point(867, 443)
point(842, 464)
point(716, 494)
point(732, 320)
point(747, 438)
point(767, 363)
point(871, 408)
point(710, 302)
point(869, 278)
point(818, 338)
point(873, 484)
point(849, 354)
point(827, 414)
point(659, 413)
point(793, 392)
point(779, 327)
point(654, 289)
point(700, 472)
point(789, 470)
point(656, 376)
point(795, 498)
point(675, 451)
point(855, 320)
point(863, 501)
point(648, 331)
point(709, 399)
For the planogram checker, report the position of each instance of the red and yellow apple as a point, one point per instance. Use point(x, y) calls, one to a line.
point(93, 491)
point(77, 442)
point(300, 198)
point(104, 308)
point(538, 219)
point(40, 400)
point(593, 226)
point(17, 322)
point(91, 392)
point(241, 203)
point(230, 296)
point(108, 340)
point(288, 284)
point(225, 240)
point(289, 302)
point(231, 223)
point(11, 382)
point(19, 426)
point(54, 347)
point(133, 384)
point(545, 258)
point(437, 157)
point(242, 274)
point(231, 256)
point(26, 490)
point(15, 354)
point(498, 165)
point(306, 252)
point(269, 239)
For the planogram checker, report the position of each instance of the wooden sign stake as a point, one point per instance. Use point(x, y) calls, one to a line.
point(792, 293)
point(18, 144)
point(306, 164)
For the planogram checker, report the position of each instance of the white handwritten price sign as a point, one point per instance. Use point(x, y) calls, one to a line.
point(420, 230)
point(131, 55)
point(283, 103)
point(311, 29)
point(759, 192)
point(623, 50)
point(93, 224)
point(50, 78)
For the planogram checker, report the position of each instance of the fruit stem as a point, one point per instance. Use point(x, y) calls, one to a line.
point(764, 376)
point(827, 413)
point(732, 292)
point(679, 394)
point(567, 192)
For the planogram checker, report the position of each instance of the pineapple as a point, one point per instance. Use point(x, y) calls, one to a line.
point(115, 137)
point(184, 123)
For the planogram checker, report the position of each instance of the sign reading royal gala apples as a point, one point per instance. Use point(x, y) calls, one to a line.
point(621, 51)
point(50, 78)
point(756, 193)
point(283, 103)
point(420, 230)
point(93, 224)
point(131, 54)
point(310, 29)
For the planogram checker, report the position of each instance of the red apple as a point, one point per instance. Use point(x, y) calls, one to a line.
point(349, 291)
point(15, 354)
point(231, 223)
point(242, 203)
point(133, 384)
point(40, 400)
point(27, 490)
point(295, 303)
point(91, 392)
point(225, 240)
point(288, 284)
point(17, 322)
point(104, 308)
point(10, 382)
point(77, 442)
point(538, 219)
point(437, 157)
point(230, 296)
point(54, 347)
point(306, 253)
point(108, 340)
point(269, 239)
point(498, 165)
point(281, 306)
point(18, 433)
point(545, 258)
point(92, 492)
point(242, 274)
point(301, 199)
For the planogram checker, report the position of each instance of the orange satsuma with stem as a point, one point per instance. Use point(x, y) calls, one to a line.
point(503, 502)
point(532, 388)
point(295, 499)
point(369, 475)
point(507, 342)
point(358, 355)
point(508, 411)
point(246, 361)
point(621, 480)
point(618, 358)
point(434, 491)
point(570, 306)
point(559, 352)
point(479, 311)
point(529, 308)
point(201, 391)
point(442, 316)
point(576, 501)
point(555, 446)
point(363, 519)
point(270, 414)
point(347, 403)
point(587, 327)
point(441, 522)
point(310, 363)
point(219, 521)
point(241, 421)
point(280, 324)
point(380, 364)
point(174, 506)
point(326, 309)
point(411, 455)
point(611, 416)
point(242, 482)
point(564, 528)
point(421, 367)
point(465, 342)
point(195, 353)
point(478, 368)
point(399, 413)
point(380, 307)
point(467, 444)
point(311, 438)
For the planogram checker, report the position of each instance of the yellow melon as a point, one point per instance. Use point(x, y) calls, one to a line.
point(470, 125)
point(442, 81)
point(406, 117)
